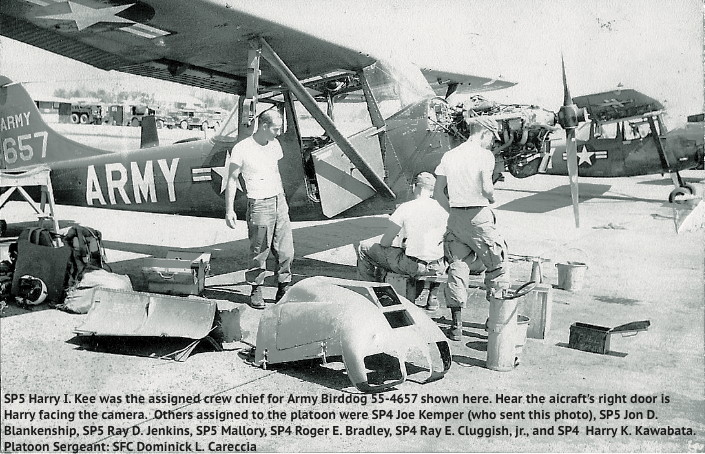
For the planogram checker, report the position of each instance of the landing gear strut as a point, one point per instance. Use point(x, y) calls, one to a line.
point(682, 190)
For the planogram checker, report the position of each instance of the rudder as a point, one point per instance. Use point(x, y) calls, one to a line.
point(26, 139)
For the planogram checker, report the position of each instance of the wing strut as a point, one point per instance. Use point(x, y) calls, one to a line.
point(326, 123)
point(249, 104)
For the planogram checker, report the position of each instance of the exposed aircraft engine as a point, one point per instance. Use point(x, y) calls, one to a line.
point(374, 330)
point(523, 132)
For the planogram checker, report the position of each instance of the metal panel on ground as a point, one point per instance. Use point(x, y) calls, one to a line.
point(125, 313)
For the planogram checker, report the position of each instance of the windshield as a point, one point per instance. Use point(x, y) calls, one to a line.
point(396, 85)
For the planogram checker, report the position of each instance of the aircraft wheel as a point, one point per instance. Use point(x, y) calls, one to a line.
point(74, 118)
point(84, 119)
point(678, 195)
point(693, 189)
point(3, 227)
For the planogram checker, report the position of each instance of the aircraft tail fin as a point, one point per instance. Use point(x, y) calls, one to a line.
point(149, 137)
point(26, 139)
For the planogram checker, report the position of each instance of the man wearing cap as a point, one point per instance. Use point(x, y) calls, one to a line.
point(466, 173)
point(420, 223)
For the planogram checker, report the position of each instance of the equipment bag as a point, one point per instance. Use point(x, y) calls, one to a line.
point(88, 252)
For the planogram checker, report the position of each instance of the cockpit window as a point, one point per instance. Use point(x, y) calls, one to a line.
point(606, 131)
point(396, 85)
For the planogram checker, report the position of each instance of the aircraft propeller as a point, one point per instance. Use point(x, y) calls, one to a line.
point(569, 116)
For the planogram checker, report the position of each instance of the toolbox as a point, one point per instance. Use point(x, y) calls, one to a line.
point(181, 273)
point(596, 339)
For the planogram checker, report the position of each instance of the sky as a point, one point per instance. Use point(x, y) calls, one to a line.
point(655, 46)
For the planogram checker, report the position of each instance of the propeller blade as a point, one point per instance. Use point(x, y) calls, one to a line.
point(568, 117)
point(567, 100)
point(571, 149)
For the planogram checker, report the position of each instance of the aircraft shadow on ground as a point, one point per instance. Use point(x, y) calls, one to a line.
point(668, 181)
point(233, 256)
point(554, 199)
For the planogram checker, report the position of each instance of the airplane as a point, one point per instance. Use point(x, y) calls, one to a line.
point(409, 127)
point(405, 132)
point(624, 135)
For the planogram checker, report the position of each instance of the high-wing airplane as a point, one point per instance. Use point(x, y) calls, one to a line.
point(625, 135)
point(408, 127)
point(164, 39)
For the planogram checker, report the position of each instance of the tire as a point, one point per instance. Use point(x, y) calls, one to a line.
point(134, 122)
point(693, 189)
point(84, 119)
point(75, 119)
point(183, 124)
point(204, 126)
point(678, 194)
point(160, 124)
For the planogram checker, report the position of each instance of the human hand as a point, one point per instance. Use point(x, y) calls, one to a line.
point(231, 219)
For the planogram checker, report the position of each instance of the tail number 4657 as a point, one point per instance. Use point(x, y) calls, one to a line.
point(12, 148)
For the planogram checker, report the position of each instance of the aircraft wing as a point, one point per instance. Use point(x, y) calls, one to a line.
point(201, 43)
point(617, 104)
point(441, 81)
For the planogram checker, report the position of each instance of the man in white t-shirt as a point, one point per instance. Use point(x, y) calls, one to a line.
point(466, 173)
point(421, 224)
point(256, 158)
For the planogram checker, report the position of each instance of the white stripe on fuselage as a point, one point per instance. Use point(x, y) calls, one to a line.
point(118, 177)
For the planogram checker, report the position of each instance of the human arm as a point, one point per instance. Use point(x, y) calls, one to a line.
point(487, 186)
point(439, 191)
point(389, 235)
point(230, 191)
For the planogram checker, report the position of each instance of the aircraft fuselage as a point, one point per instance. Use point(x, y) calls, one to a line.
point(622, 155)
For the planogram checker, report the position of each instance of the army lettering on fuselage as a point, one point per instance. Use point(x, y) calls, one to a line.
point(14, 121)
point(118, 177)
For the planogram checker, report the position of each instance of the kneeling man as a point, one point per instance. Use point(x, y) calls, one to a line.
point(421, 224)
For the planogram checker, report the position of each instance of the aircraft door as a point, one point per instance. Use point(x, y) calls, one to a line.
point(340, 183)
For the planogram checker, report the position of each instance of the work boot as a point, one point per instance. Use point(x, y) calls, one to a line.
point(456, 329)
point(432, 299)
point(256, 299)
point(282, 288)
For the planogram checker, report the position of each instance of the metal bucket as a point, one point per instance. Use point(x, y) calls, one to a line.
point(571, 275)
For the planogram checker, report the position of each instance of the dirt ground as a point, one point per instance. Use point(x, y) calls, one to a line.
point(558, 399)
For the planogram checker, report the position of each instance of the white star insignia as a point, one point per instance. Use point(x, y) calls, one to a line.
point(584, 156)
point(85, 16)
point(223, 172)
